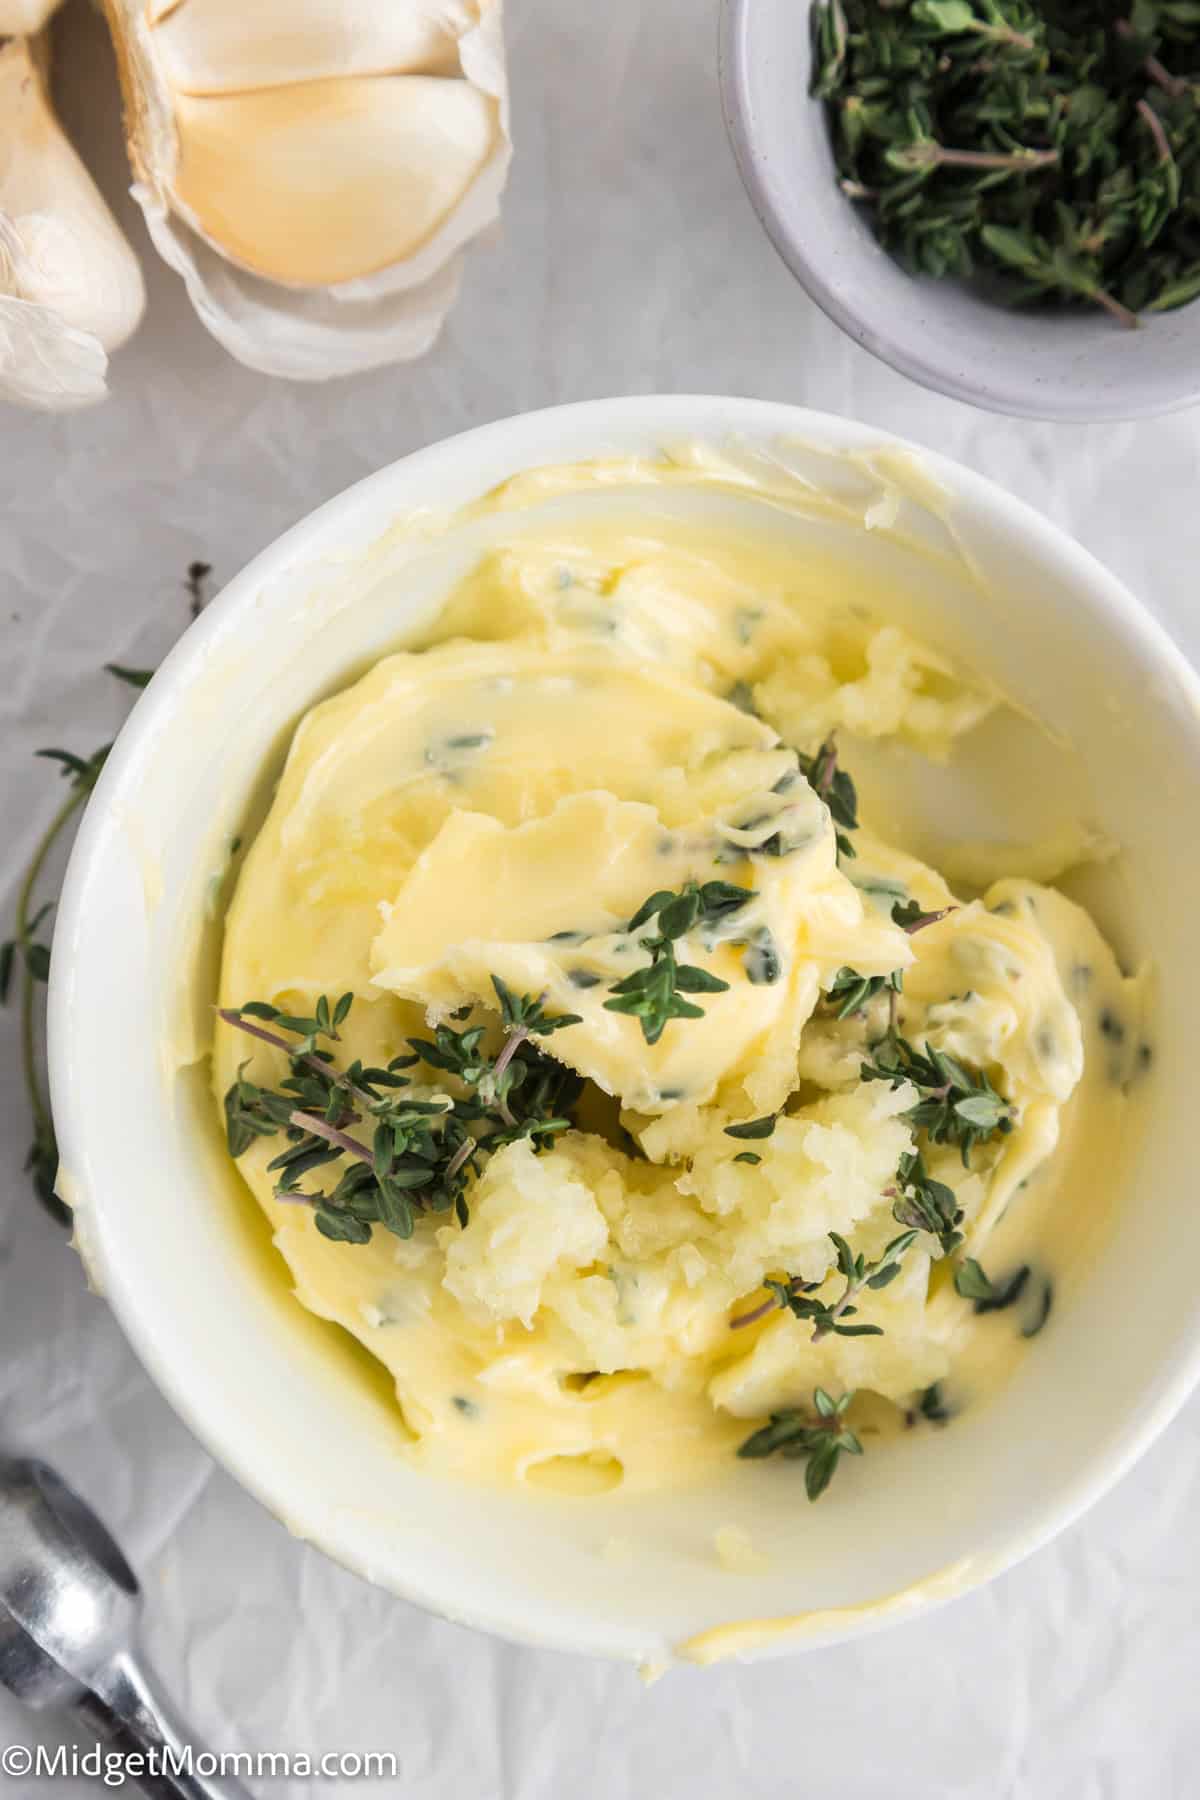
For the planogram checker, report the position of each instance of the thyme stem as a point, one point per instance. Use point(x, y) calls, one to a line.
point(459, 1158)
point(315, 1063)
point(942, 156)
point(1174, 85)
point(752, 1318)
point(511, 1045)
point(341, 1139)
point(1154, 126)
point(1120, 313)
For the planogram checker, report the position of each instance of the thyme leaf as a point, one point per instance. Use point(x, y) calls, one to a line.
point(933, 1405)
point(989, 1296)
point(835, 787)
point(753, 1128)
point(925, 1204)
point(1041, 1313)
point(911, 917)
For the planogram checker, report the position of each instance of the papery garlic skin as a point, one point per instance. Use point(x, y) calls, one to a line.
point(22, 18)
point(46, 364)
point(317, 212)
point(70, 284)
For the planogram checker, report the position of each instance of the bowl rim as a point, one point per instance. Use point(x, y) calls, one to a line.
point(654, 419)
point(1076, 403)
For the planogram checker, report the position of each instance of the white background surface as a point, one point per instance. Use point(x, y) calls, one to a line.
point(630, 261)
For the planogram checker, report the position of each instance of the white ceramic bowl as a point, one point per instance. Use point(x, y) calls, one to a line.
point(303, 1420)
point(1043, 366)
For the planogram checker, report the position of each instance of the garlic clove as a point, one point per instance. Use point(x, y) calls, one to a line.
point(62, 247)
point(325, 182)
point(229, 46)
point(21, 18)
point(45, 363)
point(70, 286)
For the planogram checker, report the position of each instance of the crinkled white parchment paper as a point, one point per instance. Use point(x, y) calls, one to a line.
point(630, 261)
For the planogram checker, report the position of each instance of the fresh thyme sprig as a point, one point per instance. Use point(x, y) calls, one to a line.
point(324, 1021)
point(523, 1017)
point(458, 1053)
point(654, 994)
point(796, 1296)
point(858, 1274)
point(958, 1105)
point(926, 1204)
point(314, 1082)
point(820, 1442)
point(27, 957)
point(421, 1153)
point(836, 789)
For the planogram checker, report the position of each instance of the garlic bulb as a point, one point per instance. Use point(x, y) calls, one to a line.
point(313, 168)
point(70, 286)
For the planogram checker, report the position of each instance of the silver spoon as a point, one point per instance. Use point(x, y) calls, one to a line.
point(69, 1605)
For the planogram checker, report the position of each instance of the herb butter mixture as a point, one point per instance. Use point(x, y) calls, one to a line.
point(624, 1091)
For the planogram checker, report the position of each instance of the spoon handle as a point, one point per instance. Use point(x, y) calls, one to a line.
point(127, 1708)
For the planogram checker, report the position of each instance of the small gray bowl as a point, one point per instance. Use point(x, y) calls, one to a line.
point(1078, 367)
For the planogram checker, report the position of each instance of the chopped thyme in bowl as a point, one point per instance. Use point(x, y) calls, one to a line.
point(1047, 152)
